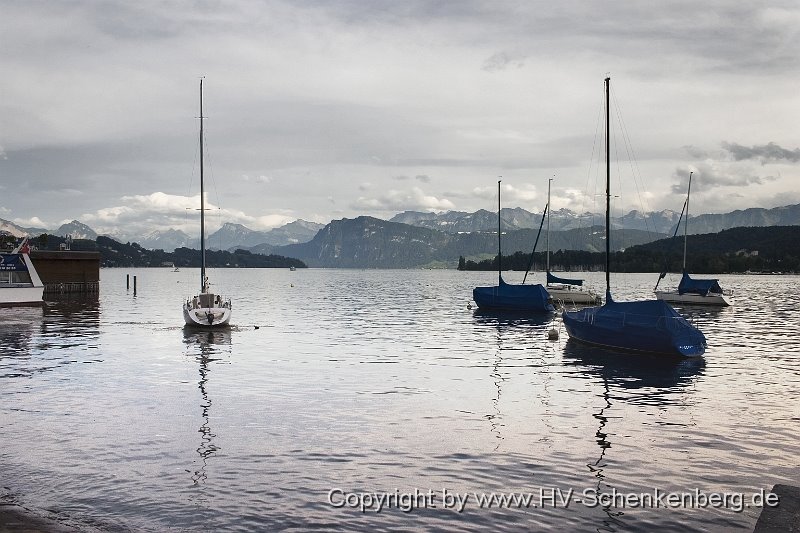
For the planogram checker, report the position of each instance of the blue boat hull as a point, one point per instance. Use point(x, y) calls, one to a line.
point(650, 326)
point(528, 298)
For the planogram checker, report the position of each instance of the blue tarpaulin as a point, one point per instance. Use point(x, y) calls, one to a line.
point(513, 297)
point(645, 326)
point(554, 279)
point(698, 286)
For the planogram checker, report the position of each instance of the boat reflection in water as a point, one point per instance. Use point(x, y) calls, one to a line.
point(516, 337)
point(646, 381)
point(206, 346)
point(18, 326)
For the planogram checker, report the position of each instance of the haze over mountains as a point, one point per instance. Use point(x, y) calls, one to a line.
point(414, 238)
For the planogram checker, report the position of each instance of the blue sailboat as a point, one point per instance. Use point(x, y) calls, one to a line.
point(509, 297)
point(651, 326)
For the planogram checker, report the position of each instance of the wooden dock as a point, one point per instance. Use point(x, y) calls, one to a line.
point(64, 272)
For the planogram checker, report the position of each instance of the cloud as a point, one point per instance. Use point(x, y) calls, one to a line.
point(510, 194)
point(502, 61)
point(140, 214)
point(424, 178)
point(766, 153)
point(33, 222)
point(710, 175)
point(696, 152)
point(257, 179)
point(394, 200)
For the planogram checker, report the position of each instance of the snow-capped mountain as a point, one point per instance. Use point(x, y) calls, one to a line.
point(518, 218)
point(168, 240)
point(78, 230)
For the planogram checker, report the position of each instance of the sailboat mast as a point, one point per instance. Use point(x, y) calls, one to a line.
point(203, 287)
point(549, 182)
point(608, 191)
point(686, 222)
point(499, 251)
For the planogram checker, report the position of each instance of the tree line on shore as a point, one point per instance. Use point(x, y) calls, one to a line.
point(117, 254)
point(730, 251)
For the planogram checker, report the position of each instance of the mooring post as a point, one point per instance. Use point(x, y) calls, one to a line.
point(134, 285)
point(127, 282)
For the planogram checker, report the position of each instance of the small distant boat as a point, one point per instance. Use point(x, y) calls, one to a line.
point(650, 326)
point(564, 290)
point(206, 309)
point(693, 291)
point(507, 297)
point(291, 268)
point(19, 282)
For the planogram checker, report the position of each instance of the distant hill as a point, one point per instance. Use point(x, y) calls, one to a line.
point(116, 254)
point(9, 228)
point(232, 236)
point(367, 242)
point(168, 240)
point(770, 249)
point(754, 217)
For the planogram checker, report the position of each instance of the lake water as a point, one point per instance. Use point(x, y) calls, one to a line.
point(337, 388)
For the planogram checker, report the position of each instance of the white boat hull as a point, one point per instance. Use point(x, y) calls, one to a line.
point(713, 299)
point(568, 296)
point(206, 317)
point(14, 296)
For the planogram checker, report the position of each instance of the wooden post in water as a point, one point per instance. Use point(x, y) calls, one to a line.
point(127, 282)
point(134, 285)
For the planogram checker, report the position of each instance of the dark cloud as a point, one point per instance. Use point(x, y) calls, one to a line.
point(424, 178)
point(766, 153)
point(708, 177)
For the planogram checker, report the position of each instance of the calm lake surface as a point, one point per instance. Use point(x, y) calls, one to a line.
point(385, 383)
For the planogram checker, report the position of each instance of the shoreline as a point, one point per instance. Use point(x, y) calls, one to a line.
point(16, 518)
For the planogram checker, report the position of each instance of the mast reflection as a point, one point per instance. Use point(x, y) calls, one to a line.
point(515, 332)
point(204, 345)
point(660, 380)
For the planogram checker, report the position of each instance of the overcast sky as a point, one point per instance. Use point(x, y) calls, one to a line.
point(322, 109)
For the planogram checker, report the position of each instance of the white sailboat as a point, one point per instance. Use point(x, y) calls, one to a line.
point(694, 291)
point(563, 290)
point(206, 309)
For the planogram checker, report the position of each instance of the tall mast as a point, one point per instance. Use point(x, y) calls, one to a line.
point(608, 192)
point(499, 252)
point(550, 181)
point(686, 222)
point(203, 287)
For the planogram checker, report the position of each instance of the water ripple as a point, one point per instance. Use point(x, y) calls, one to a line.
point(384, 382)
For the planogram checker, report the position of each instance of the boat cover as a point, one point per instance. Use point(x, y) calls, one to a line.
point(513, 297)
point(555, 279)
point(644, 326)
point(698, 286)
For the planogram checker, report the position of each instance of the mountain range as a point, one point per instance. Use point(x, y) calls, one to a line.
point(367, 242)
point(413, 239)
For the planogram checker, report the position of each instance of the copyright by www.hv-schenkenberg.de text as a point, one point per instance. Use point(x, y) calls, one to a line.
point(410, 500)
